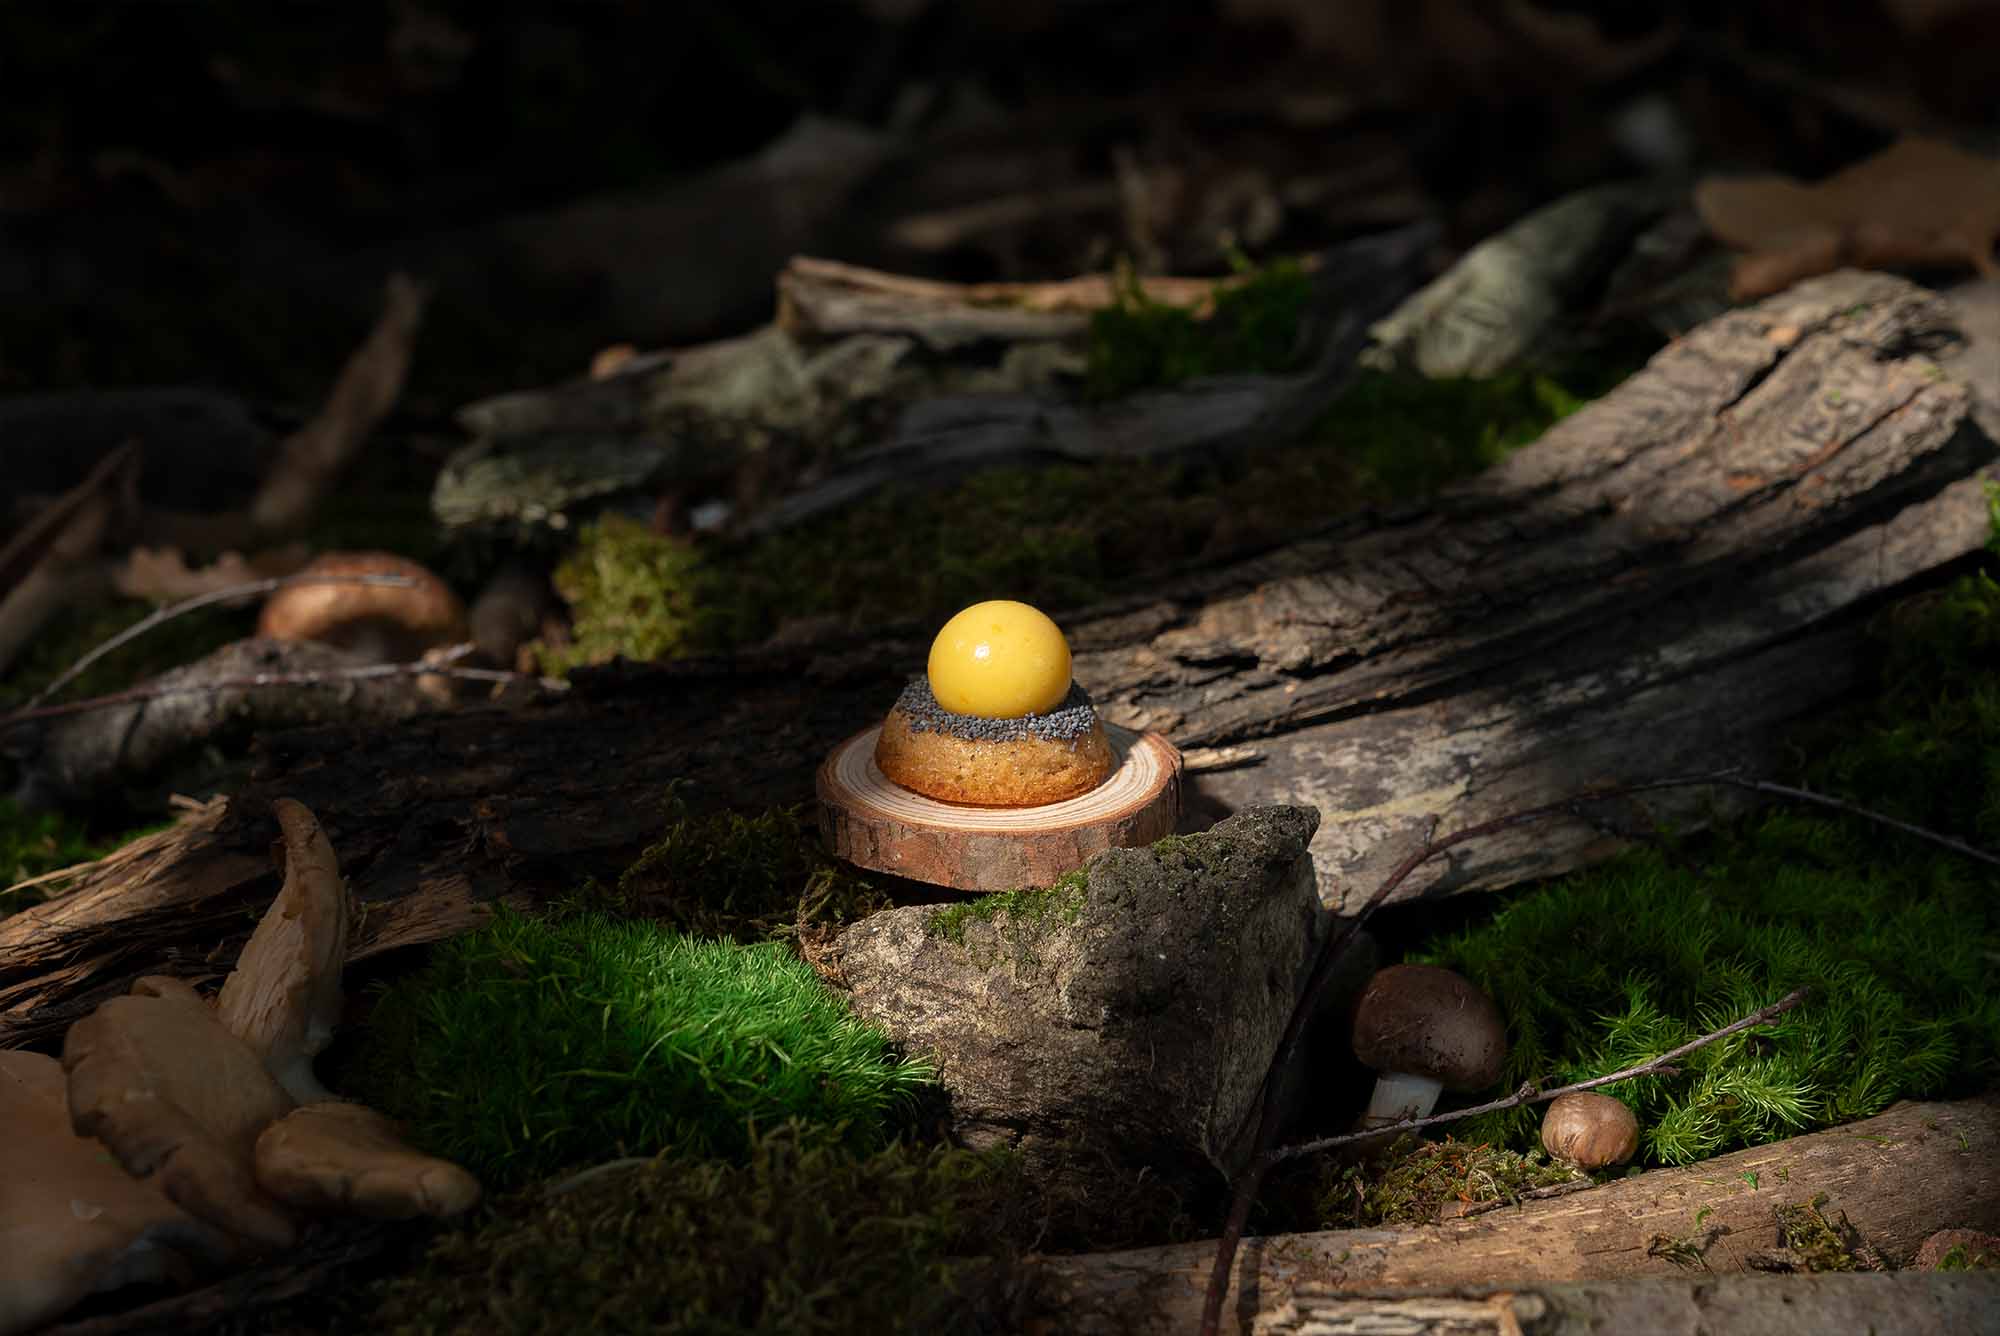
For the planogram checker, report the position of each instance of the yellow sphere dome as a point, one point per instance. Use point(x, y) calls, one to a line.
point(999, 660)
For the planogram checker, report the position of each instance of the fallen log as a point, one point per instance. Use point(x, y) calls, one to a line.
point(1911, 1303)
point(1890, 1180)
point(1663, 582)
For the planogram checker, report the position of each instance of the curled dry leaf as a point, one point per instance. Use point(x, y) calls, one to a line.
point(74, 1223)
point(162, 575)
point(283, 998)
point(1919, 203)
point(397, 623)
point(172, 1093)
point(336, 1155)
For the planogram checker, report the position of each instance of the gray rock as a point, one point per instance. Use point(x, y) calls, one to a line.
point(1132, 1009)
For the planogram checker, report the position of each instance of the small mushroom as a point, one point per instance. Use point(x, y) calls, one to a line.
point(337, 1155)
point(1424, 1029)
point(283, 997)
point(1589, 1130)
point(390, 623)
point(171, 1092)
point(72, 1223)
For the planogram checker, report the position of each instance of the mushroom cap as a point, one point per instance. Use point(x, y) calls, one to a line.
point(1428, 1021)
point(74, 1223)
point(404, 620)
point(336, 1155)
point(283, 997)
point(1589, 1130)
point(171, 1092)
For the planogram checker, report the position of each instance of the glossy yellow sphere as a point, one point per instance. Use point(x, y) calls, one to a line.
point(999, 660)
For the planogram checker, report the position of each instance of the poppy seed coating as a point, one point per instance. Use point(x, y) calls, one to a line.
point(1073, 718)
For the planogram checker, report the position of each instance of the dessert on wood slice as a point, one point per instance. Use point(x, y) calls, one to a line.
point(992, 770)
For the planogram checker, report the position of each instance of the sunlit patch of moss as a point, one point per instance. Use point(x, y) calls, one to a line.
point(1139, 343)
point(1895, 936)
point(535, 1044)
point(632, 593)
point(797, 1237)
point(1063, 899)
point(1413, 1182)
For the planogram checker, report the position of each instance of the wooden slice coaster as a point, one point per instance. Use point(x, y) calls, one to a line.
point(874, 823)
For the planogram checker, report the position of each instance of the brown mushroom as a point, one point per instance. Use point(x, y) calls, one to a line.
point(74, 1223)
point(171, 1092)
point(283, 997)
point(1589, 1130)
point(1424, 1030)
point(336, 1155)
point(391, 623)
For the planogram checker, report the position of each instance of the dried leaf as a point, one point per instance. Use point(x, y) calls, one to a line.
point(1920, 202)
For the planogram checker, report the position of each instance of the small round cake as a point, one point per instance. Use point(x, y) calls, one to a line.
point(996, 721)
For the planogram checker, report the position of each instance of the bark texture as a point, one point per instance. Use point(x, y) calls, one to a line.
point(1913, 1303)
point(1893, 1179)
point(1661, 583)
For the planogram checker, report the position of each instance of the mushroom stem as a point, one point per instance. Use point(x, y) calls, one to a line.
point(1400, 1095)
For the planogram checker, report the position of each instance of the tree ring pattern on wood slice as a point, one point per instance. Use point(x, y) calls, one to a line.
point(873, 822)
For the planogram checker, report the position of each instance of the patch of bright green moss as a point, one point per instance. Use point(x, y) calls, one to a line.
point(535, 1044)
point(1059, 537)
point(1138, 343)
point(1065, 900)
point(798, 1237)
point(747, 878)
point(1895, 936)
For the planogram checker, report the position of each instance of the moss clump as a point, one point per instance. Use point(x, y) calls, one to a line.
point(799, 1237)
point(1137, 343)
point(1895, 937)
point(532, 1045)
point(1821, 1244)
point(747, 878)
point(1414, 1181)
point(1027, 908)
point(633, 593)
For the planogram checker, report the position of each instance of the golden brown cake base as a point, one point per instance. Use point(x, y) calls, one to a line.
point(1016, 772)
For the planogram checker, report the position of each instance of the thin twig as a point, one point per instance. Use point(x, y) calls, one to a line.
point(330, 678)
point(1533, 1094)
point(1842, 805)
point(158, 616)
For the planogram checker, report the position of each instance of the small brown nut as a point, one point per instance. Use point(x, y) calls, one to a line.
point(1589, 1130)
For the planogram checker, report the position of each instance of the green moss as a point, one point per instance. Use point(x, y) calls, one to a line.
point(747, 878)
point(1060, 536)
point(798, 1237)
point(1895, 937)
point(1414, 1181)
point(1819, 1243)
point(532, 1045)
point(1960, 1257)
point(1026, 908)
point(1138, 343)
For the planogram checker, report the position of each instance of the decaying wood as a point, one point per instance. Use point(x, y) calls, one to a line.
point(873, 823)
point(943, 436)
point(1912, 1303)
point(1894, 1178)
point(1661, 583)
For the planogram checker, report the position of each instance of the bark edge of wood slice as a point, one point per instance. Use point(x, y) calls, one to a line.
point(874, 823)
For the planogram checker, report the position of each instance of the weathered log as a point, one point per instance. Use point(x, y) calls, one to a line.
point(1662, 582)
point(1912, 1303)
point(1893, 1179)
